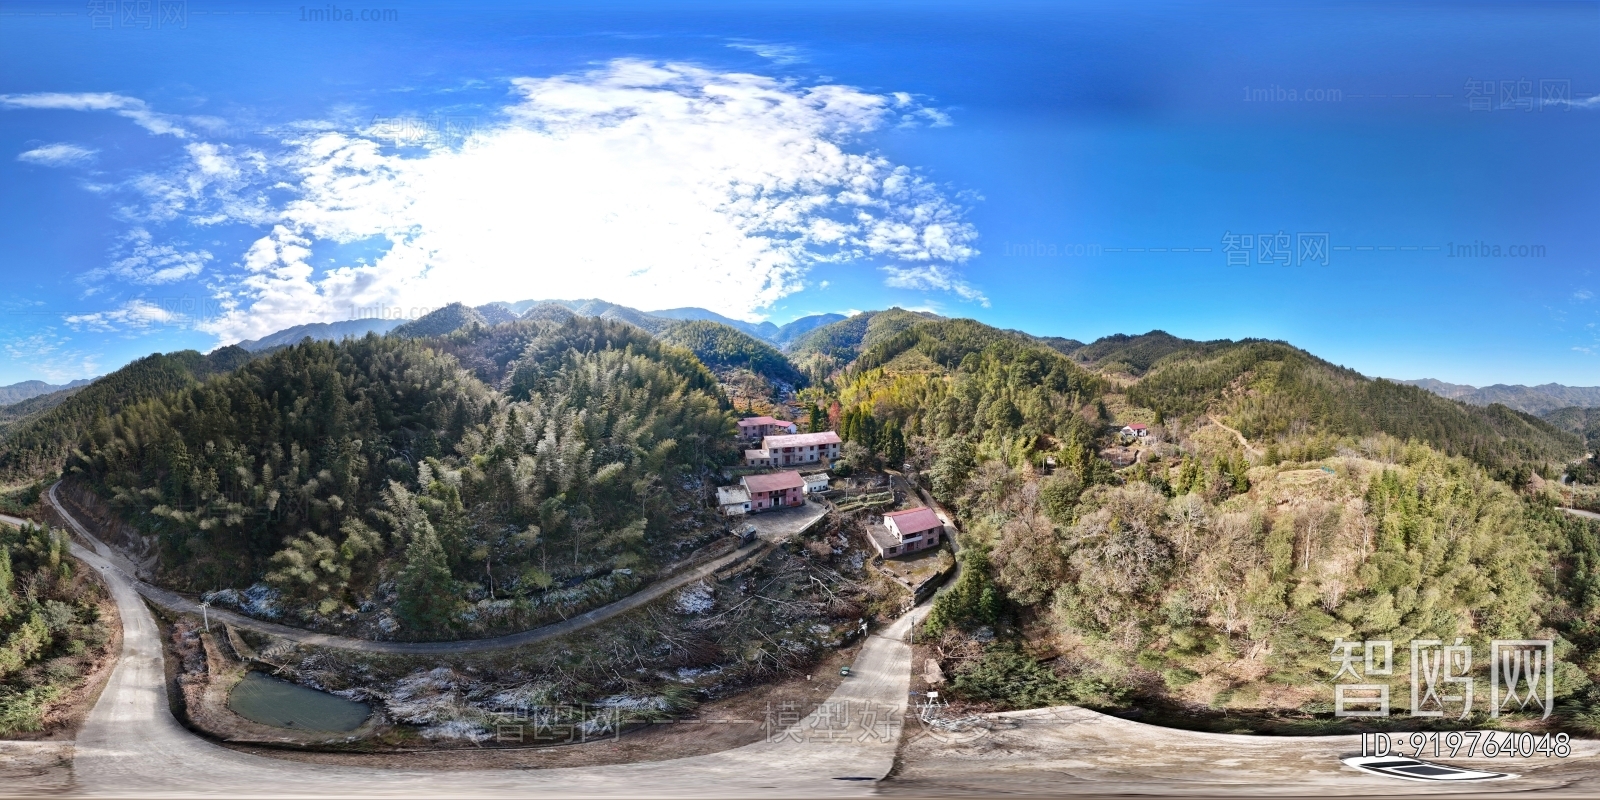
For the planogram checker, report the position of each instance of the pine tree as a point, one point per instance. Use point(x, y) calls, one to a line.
point(426, 596)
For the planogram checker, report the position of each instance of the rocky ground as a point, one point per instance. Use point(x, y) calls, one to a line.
point(763, 623)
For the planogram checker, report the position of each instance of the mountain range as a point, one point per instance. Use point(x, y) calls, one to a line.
point(500, 312)
point(1541, 399)
point(27, 390)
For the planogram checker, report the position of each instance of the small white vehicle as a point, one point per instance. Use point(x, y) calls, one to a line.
point(1410, 769)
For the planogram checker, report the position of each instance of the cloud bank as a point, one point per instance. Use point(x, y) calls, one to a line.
point(652, 185)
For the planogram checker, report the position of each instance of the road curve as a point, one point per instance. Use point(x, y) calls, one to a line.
point(131, 746)
point(1581, 513)
point(173, 601)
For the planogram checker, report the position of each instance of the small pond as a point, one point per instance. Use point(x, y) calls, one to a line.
point(269, 701)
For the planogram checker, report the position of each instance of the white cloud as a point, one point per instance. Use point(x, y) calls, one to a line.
point(140, 260)
point(134, 314)
point(1582, 294)
point(48, 355)
point(933, 277)
point(60, 154)
point(781, 54)
point(654, 185)
point(130, 107)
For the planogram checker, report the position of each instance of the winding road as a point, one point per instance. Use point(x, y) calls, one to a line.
point(131, 746)
point(774, 528)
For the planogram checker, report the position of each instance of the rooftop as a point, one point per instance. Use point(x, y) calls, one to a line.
point(914, 520)
point(800, 440)
point(747, 421)
point(775, 482)
point(727, 495)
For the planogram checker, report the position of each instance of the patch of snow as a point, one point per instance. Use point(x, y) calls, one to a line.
point(624, 702)
point(457, 729)
point(696, 599)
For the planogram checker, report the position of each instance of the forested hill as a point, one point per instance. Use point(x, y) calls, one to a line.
point(721, 347)
point(1271, 391)
point(1583, 422)
point(40, 443)
point(331, 470)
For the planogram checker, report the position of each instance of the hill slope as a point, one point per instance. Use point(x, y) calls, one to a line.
point(1270, 390)
point(40, 443)
point(724, 348)
point(331, 469)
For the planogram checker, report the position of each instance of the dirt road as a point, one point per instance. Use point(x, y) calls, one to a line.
point(774, 528)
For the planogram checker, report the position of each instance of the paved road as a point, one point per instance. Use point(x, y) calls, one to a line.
point(1069, 751)
point(131, 746)
point(1581, 513)
point(775, 527)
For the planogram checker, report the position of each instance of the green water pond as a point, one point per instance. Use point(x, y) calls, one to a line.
point(270, 701)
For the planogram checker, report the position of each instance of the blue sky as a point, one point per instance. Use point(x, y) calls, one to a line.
point(215, 171)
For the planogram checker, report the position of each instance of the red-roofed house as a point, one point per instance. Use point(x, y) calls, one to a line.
point(904, 532)
point(800, 448)
point(774, 491)
point(757, 427)
point(1136, 429)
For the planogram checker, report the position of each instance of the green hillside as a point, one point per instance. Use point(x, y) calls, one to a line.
point(378, 473)
point(723, 348)
point(1136, 354)
point(40, 443)
point(1271, 391)
point(1583, 422)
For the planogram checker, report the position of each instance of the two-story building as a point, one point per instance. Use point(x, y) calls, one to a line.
point(799, 448)
point(774, 491)
point(905, 532)
point(753, 428)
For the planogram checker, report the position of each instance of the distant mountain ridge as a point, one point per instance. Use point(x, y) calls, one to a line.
point(27, 390)
point(1541, 399)
point(332, 331)
point(499, 312)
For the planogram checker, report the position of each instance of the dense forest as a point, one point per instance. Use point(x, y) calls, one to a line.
point(1269, 390)
point(723, 348)
point(379, 473)
point(40, 443)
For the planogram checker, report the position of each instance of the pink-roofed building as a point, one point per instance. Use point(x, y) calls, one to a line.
point(774, 491)
point(754, 428)
point(1136, 429)
point(799, 448)
point(904, 532)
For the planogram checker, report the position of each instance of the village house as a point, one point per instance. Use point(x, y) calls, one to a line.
point(816, 482)
point(800, 448)
point(733, 500)
point(753, 428)
point(904, 532)
point(774, 491)
point(1137, 430)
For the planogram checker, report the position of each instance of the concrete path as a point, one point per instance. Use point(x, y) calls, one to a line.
point(1069, 751)
point(131, 746)
point(772, 528)
point(1581, 513)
